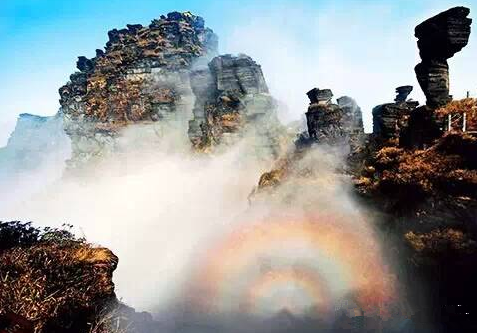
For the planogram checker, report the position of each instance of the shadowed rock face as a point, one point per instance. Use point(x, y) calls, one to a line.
point(328, 122)
point(389, 119)
point(445, 34)
point(320, 96)
point(439, 38)
point(402, 93)
point(333, 124)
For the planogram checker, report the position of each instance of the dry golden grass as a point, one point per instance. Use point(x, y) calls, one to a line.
point(467, 106)
point(271, 178)
point(108, 321)
point(91, 255)
point(56, 283)
point(440, 240)
point(449, 165)
point(230, 122)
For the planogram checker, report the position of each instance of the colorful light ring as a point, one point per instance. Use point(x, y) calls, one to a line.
point(332, 253)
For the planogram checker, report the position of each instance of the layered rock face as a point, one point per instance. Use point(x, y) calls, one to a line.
point(439, 38)
point(156, 76)
point(403, 123)
point(232, 97)
point(422, 181)
point(141, 77)
point(417, 181)
point(389, 119)
point(328, 122)
point(402, 93)
point(352, 116)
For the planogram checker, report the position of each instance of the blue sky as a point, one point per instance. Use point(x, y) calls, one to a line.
point(360, 48)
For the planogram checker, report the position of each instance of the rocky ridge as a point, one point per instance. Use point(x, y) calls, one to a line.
point(166, 76)
point(416, 174)
point(327, 121)
point(142, 76)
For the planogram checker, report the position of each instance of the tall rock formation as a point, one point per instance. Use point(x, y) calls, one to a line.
point(231, 94)
point(439, 38)
point(390, 119)
point(328, 122)
point(142, 76)
point(422, 182)
point(402, 93)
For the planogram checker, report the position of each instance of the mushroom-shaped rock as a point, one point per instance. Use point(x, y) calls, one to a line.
point(439, 38)
point(402, 93)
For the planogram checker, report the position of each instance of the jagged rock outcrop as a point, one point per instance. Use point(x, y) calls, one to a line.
point(142, 76)
point(439, 38)
point(320, 96)
point(402, 93)
point(51, 281)
point(389, 119)
point(421, 180)
point(334, 125)
point(418, 181)
point(232, 98)
point(328, 122)
point(352, 118)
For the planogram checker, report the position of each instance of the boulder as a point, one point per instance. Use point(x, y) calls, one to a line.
point(402, 93)
point(320, 96)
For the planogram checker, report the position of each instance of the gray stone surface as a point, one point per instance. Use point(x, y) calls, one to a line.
point(141, 78)
point(232, 99)
point(328, 122)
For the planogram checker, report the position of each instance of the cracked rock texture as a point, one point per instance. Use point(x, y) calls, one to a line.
point(328, 122)
point(389, 119)
point(232, 98)
point(439, 38)
point(142, 76)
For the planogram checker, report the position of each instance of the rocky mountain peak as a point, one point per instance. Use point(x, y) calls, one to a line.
point(142, 76)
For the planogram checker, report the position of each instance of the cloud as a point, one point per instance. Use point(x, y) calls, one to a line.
point(153, 206)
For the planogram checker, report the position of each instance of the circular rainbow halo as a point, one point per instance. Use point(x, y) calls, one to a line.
point(304, 265)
